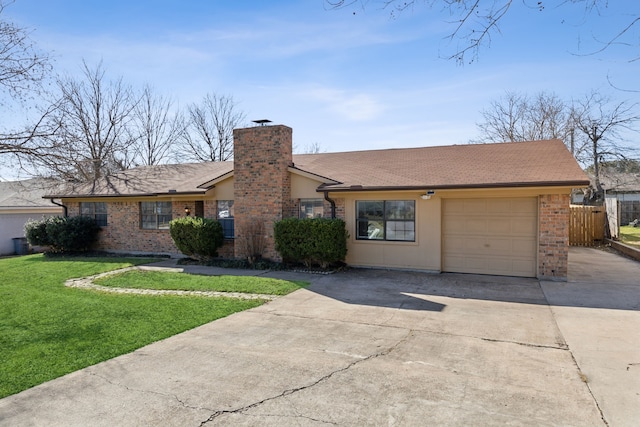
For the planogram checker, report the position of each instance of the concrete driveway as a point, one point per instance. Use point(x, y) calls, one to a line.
point(370, 347)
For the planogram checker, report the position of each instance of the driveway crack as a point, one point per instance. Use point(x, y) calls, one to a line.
point(553, 347)
point(585, 380)
point(322, 379)
point(137, 390)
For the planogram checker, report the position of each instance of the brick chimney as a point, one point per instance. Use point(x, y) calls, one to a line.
point(262, 187)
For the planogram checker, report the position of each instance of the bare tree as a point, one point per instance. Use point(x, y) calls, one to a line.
point(210, 125)
point(517, 117)
point(605, 129)
point(158, 129)
point(311, 148)
point(594, 128)
point(92, 118)
point(474, 22)
point(22, 66)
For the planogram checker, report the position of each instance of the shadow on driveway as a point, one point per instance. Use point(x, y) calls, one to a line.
point(597, 279)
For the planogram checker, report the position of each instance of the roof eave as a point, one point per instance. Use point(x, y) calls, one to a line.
point(212, 182)
point(357, 188)
point(311, 175)
point(92, 196)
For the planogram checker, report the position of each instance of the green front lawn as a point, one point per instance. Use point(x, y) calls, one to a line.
point(630, 235)
point(191, 282)
point(48, 330)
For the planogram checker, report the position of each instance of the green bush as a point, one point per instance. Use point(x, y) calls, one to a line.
point(319, 241)
point(195, 237)
point(36, 232)
point(63, 234)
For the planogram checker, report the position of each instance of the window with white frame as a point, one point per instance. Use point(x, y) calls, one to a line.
point(386, 220)
point(155, 215)
point(311, 208)
point(95, 210)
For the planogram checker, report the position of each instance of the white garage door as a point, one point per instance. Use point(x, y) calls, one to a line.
point(490, 236)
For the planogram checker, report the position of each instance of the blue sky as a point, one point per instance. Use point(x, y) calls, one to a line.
point(342, 80)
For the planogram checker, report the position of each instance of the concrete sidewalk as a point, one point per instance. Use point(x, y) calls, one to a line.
point(598, 314)
point(371, 347)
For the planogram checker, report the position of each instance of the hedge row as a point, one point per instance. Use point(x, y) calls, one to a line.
point(311, 241)
point(63, 234)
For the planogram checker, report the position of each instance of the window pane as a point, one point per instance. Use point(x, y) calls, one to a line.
point(149, 222)
point(227, 227)
point(311, 208)
point(400, 209)
point(163, 222)
point(371, 230)
point(225, 209)
point(101, 219)
point(86, 209)
point(164, 208)
point(100, 207)
point(401, 230)
point(370, 209)
point(148, 208)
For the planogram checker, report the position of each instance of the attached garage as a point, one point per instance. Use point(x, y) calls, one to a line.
point(490, 236)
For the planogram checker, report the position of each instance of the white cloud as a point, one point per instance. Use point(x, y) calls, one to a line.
point(354, 106)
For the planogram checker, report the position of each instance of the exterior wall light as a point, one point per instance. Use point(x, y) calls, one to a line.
point(187, 211)
point(427, 195)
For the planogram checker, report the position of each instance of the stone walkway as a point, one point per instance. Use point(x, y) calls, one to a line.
point(88, 283)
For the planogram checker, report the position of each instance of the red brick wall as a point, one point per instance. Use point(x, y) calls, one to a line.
point(227, 249)
point(340, 205)
point(262, 183)
point(553, 236)
point(123, 232)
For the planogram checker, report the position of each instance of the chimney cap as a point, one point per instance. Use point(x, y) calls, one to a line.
point(262, 122)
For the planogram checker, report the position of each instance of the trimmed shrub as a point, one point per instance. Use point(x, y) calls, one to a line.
point(63, 234)
point(199, 238)
point(36, 232)
point(319, 241)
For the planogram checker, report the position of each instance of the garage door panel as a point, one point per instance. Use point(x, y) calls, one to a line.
point(498, 207)
point(497, 266)
point(454, 225)
point(473, 245)
point(524, 227)
point(455, 206)
point(490, 236)
point(522, 247)
point(499, 226)
point(498, 246)
point(524, 206)
point(478, 205)
point(475, 226)
point(455, 245)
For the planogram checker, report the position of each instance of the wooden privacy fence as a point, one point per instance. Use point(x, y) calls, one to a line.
point(586, 225)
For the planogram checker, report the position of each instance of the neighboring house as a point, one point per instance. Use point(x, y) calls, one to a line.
point(19, 202)
point(625, 189)
point(487, 208)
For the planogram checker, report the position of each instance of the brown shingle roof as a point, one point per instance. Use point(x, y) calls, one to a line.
point(27, 193)
point(150, 180)
point(537, 163)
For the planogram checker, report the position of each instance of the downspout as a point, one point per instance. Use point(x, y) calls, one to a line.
point(66, 213)
point(333, 204)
